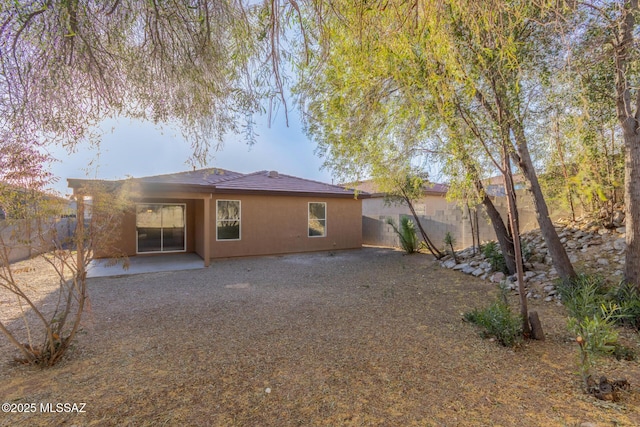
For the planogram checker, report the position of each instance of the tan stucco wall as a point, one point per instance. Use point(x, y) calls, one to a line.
point(278, 224)
point(198, 227)
point(127, 234)
point(269, 225)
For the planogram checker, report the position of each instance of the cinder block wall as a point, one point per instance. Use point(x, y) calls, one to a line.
point(21, 242)
point(438, 217)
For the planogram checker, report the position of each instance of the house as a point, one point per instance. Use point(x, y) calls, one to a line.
point(217, 213)
point(494, 186)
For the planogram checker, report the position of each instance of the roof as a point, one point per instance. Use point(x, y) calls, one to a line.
point(204, 177)
point(499, 179)
point(217, 180)
point(371, 188)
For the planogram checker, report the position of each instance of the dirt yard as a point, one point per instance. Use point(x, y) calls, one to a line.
point(367, 337)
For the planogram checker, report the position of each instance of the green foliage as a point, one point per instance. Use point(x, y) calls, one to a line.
point(594, 311)
point(595, 335)
point(491, 252)
point(497, 320)
point(406, 233)
point(525, 249)
point(201, 67)
point(627, 298)
point(597, 331)
point(583, 296)
point(449, 242)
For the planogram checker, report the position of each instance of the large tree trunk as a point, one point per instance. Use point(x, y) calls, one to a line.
point(629, 117)
point(506, 119)
point(632, 203)
point(515, 233)
point(505, 242)
point(502, 235)
point(556, 248)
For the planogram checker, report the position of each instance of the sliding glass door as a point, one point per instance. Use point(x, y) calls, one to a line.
point(160, 227)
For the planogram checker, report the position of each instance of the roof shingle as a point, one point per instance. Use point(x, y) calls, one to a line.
point(221, 180)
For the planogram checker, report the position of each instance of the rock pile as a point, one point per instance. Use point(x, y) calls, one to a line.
point(591, 246)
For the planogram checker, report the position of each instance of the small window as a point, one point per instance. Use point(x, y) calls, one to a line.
point(228, 220)
point(317, 219)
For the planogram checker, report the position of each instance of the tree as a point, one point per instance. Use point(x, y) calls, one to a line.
point(603, 37)
point(399, 71)
point(66, 65)
point(33, 220)
point(472, 178)
point(624, 39)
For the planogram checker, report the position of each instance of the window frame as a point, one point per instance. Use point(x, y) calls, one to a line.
point(324, 234)
point(239, 220)
point(161, 251)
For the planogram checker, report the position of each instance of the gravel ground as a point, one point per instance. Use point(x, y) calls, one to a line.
point(363, 337)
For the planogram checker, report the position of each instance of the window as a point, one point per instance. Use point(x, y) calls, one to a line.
point(160, 227)
point(317, 219)
point(228, 220)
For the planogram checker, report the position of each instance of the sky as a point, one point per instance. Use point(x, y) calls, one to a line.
point(136, 149)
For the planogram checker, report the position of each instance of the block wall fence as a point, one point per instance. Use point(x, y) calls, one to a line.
point(438, 217)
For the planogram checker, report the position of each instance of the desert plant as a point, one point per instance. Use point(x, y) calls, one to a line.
point(627, 297)
point(498, 321)
point(406, 233)
point(492, 253)
point(583, 296)
point(48, 330)
point(527, 251)
point(449, 241)
point(595, 335)
point(594, 311)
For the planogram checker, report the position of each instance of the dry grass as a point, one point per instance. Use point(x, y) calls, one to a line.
point(367, 337)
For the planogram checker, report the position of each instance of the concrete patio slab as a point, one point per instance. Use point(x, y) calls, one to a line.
point(146, 264)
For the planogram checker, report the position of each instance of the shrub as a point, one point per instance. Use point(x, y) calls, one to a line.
point(498, 321)
point(492, 253)
point(406, 233)
point(526, 250)
point(594, 310)
point(449, 241)
point(596, 335)
point(583, 296)
point(627, 297)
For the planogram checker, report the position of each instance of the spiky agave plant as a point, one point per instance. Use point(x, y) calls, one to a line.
point(406, 233)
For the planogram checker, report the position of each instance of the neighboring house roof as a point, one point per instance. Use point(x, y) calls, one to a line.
point(494, 186)
point(371, 188)
point(224, 181)
point(499, 179)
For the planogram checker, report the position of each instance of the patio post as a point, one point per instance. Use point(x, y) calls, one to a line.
point(207, 230)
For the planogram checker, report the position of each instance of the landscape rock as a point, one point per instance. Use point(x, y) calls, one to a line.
point(497, 277)
point(449, 263)
point(589, 244)
point(468, 269)
point(620, 244)
point(477, 272)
